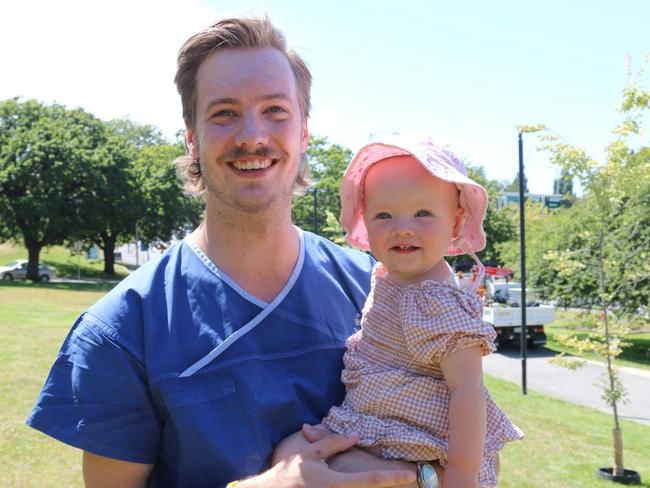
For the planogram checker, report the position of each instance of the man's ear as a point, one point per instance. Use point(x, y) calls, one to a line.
point(304, 136)
point(191, 142)
point(459, 221)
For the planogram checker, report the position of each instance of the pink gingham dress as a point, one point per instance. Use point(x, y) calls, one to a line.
point(396, 394)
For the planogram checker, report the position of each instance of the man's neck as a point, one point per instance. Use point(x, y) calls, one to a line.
point(258, 255)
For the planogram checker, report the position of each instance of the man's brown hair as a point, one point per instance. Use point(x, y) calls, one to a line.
point(231, 33)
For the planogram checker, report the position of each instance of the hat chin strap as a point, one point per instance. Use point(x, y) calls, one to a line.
point(481, 272)
point(461, 244)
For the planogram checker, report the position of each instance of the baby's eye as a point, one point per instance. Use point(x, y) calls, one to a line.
point(422, 213)
point(382, 215)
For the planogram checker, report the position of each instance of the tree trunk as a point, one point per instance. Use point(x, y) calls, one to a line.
point(109, 253)
point(33, 252)
point(618, 439)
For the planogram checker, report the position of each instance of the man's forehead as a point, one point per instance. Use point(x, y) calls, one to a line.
point(265, 70)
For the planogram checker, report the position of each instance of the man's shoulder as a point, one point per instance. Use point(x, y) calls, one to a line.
point(321, 247)
point(150, 282)
point(349, 268)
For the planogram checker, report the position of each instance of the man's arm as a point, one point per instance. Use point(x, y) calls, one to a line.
point(103, 472)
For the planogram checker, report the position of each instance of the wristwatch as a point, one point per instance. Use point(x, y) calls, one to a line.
point(427, 476)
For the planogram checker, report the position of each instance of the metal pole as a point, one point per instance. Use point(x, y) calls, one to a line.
point(522, 239)
point(137, 254)
point(314, 212)
point(391, 132)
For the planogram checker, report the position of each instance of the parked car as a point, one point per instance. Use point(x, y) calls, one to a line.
point(18, 270)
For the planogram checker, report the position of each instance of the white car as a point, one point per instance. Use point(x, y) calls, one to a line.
point(18, 270)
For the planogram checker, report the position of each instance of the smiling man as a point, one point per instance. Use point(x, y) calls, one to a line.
point(196, 366)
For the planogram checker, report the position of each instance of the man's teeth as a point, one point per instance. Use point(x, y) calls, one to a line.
point(257, 164)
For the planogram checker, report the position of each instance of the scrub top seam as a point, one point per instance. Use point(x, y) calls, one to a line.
point(213, 367)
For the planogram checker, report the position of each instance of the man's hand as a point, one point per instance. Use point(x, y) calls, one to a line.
point(308, 468)
point(354, 460)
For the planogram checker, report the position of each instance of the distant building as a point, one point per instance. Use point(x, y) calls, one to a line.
point(548, 201)
point(140, 253)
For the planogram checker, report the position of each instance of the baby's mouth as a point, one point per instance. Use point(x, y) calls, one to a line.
point(404, 248)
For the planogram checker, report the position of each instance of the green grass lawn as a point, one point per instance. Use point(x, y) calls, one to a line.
point(34, 319)
point(564, 443)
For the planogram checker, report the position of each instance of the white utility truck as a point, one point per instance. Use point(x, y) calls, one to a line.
point(507, 323)
point(503, 309)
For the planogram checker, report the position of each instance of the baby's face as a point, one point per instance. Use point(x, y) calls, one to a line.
point(411, 217)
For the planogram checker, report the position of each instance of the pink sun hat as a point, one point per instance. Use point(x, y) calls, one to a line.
point(441, 162)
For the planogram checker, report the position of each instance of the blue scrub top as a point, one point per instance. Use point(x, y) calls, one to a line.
point(116, 388)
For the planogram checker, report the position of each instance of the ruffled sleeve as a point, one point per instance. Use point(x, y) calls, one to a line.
point(440, 319)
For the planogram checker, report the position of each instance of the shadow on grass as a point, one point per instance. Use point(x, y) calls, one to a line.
point(638, 351)
point(71, 286)
point(513, 351)
point(71, 270)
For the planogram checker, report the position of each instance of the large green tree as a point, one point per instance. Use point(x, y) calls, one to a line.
point(167, 211)
point(498, 227)
point(46, 152)
point(135, 191)
point(327, 164)
point(112, 202)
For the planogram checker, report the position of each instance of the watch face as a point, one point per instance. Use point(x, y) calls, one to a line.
point(429, 476)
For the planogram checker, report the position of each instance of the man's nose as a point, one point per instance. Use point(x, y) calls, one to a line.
point(252, 132)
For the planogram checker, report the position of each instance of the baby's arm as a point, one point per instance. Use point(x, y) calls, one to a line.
point(467, 416)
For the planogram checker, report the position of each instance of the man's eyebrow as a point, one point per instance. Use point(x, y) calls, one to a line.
point(234, 101)
point(222, 101)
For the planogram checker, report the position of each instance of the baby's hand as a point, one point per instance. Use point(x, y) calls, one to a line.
point(453, 477)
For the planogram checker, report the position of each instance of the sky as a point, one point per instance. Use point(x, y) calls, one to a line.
point(464, 72)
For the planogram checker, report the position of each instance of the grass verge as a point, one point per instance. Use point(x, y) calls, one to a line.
point(565, 444)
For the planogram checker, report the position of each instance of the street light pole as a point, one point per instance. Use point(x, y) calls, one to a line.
point(391, 132)
point(522, 240)
point(315, 211)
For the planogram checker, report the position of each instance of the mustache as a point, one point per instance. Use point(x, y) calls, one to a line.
point(262, 153)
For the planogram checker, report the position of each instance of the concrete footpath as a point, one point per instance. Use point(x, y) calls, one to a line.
point(577, 386)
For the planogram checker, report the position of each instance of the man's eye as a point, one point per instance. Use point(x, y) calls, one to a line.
point(275, 109)
point(224, 113)
point(382, 215)
point(422, 213)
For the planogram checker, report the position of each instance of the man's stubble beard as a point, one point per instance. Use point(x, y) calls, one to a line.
point(237, 212)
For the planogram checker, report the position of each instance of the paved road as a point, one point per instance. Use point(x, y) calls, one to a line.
point(573, 386)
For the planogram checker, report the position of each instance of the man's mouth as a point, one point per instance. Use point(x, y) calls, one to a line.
point(254, 164)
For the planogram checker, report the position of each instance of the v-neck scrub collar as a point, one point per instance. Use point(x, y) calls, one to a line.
point(267, 308)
